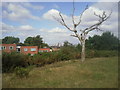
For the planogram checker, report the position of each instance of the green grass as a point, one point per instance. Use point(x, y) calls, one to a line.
point(93, 73)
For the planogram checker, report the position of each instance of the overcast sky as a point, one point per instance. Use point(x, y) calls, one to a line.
point(24, 19)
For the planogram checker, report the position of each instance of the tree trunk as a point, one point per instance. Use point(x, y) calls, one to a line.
point(83, 51)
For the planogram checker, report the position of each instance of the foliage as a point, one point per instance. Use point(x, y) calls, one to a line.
point(0, 41)
point(66, 43)
point(79, 47)
point(71, 52)
point(22, 72)
point(107, 41)
point(65, 53)
point(101, 53)
point(10, 40)
point(12, 60)
point(20, 44)
point(35, 41)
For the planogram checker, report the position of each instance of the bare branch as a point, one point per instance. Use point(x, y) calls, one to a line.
point(109, 15)
point(99, 29)
point(97, 15)
point(73, 35)
point(81, 15)
point(62, 21)
point(102, 18)
point(73, 14)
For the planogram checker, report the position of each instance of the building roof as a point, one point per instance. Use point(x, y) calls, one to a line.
point(30, 46)
point(44, 48)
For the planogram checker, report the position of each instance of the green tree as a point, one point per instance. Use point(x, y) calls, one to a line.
point(10, 40)
point(28, 41)
point(107, 41)
point(35, 41)
point(66, 43)
point(79, 47)
point(20, 44)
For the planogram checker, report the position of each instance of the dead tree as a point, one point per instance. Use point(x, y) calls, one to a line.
point(83, 33)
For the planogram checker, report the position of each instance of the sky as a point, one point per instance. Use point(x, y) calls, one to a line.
point(28, 19)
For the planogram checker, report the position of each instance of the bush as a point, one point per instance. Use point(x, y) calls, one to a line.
point(41, 58)
point(60, 56)
point(12, 60)
point(22, 72)
point(100, 53)
point(70, 52)
point(105, 53)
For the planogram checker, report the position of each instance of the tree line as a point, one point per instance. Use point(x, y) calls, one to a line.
point(29, 41)
point(107, 41)
point(105, 45)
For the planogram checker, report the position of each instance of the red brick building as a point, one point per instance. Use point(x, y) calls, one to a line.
point(22, 49)
point(29, 50)
point(7, 47)
point(44, 50)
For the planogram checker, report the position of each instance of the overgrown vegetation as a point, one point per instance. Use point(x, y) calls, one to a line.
point(22, 72)
point(95, 48)
point(107, 41)
point(12, 60)
point(93, 73)
point(65, 70)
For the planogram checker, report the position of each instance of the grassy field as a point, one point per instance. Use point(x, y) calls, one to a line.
point(93, 73)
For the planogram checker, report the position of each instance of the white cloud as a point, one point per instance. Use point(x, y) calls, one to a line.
point(57, 35)
point(49, 15)
point(89, 18)
point(57, 30)
point(9, 28)
point(53, 13)
point(26, 27)
point(17, 12)
point(35, 7)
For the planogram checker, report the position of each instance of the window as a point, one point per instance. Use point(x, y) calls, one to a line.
point(45, 50)
point(3, 47)
point(33, 49)
point(25, 49)
point(11, 47)
point(40, 50)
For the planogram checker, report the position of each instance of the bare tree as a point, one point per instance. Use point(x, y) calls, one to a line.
point(83, 33)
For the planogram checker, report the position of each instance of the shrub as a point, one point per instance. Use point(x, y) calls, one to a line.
point(12, 60)
point(69, 52)
point(41, 59)
point(60, 56)
point(100, 53)
point(105, 53)
point(22, 72)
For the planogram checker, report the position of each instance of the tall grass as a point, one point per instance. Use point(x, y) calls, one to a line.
point(93, 73)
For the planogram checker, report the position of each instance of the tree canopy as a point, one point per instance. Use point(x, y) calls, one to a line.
point(35, 41)
point(10, 40)
point(107, 41)
point(66, 43)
